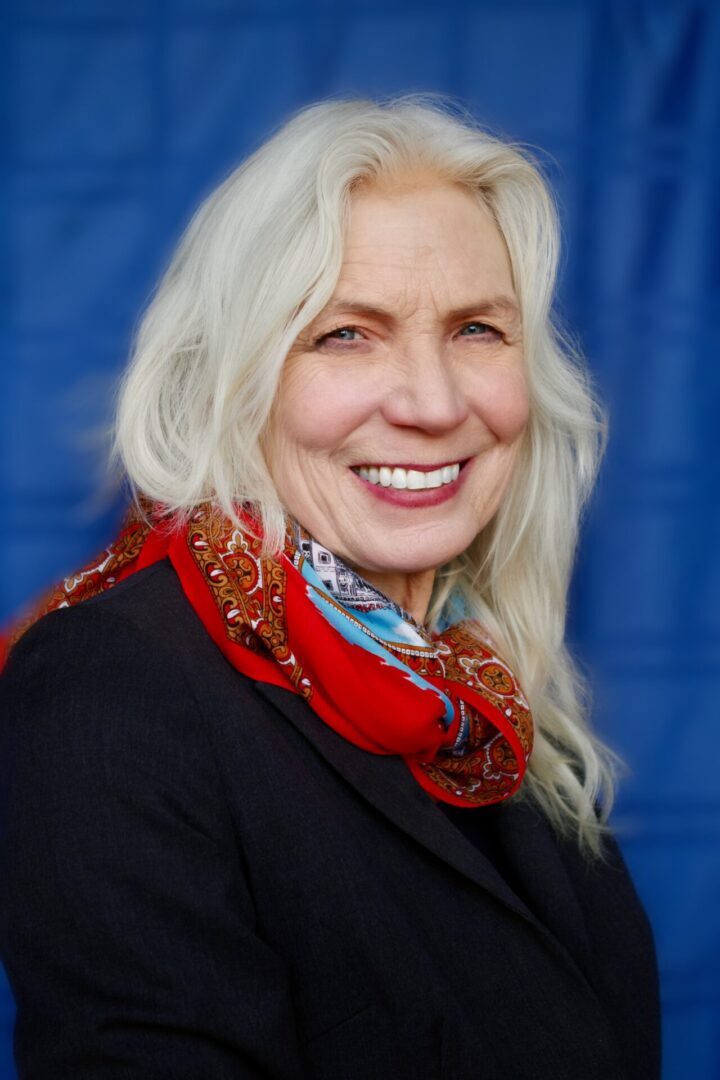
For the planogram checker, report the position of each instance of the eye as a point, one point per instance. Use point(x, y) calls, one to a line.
point(332, 334)
point(481, 329)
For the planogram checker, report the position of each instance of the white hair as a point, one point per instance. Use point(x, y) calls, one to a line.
point(258, 262)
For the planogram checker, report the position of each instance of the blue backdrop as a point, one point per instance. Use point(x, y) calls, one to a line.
point(116, 116)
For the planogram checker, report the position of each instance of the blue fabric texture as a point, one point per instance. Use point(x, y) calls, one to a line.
point(117, 117)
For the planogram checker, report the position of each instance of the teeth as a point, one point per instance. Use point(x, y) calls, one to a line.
point(412, 479)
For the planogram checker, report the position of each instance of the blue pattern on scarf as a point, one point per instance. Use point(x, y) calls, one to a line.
point(384, 620)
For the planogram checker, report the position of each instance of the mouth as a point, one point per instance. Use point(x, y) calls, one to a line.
point(410, 477)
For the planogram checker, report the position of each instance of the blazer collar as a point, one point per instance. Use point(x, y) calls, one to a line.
point(386, 783)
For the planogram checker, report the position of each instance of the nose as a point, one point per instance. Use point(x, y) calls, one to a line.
point(426, 392)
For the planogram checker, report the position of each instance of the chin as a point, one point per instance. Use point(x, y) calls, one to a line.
point(408, 558)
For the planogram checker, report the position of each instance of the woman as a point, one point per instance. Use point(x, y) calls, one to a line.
point(297, 779)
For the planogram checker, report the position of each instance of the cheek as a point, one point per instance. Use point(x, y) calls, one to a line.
point(501, 400)
point(318, 409)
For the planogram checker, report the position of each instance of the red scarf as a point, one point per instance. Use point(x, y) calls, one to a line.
point(467, 745)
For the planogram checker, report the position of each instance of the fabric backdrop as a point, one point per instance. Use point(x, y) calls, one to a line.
point(117, 116)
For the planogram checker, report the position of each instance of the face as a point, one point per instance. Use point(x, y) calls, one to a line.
point(402, 406)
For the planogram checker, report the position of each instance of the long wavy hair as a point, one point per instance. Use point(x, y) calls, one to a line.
point(258, 262)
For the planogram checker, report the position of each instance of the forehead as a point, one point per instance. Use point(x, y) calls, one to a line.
point(434, 235)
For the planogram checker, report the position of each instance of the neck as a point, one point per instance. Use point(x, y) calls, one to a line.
point(411, 591)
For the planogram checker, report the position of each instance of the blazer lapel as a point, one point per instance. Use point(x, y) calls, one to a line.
point(531, 850)
point(387, 783)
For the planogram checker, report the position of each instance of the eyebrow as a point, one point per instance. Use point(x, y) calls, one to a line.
point(495, 305)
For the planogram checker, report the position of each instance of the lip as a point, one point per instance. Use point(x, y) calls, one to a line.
point(412, 499)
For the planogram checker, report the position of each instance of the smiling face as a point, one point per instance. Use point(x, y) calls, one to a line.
point(401, 407)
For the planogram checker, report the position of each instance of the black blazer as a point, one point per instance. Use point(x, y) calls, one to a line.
point(200, 879)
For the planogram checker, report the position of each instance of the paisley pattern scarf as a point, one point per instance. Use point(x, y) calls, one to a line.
point(446, 702)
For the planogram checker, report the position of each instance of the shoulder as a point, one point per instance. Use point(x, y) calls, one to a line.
point(111, 690)
point(99, 658)
point(141, 638)
point(89, 671)
point(149, 606)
